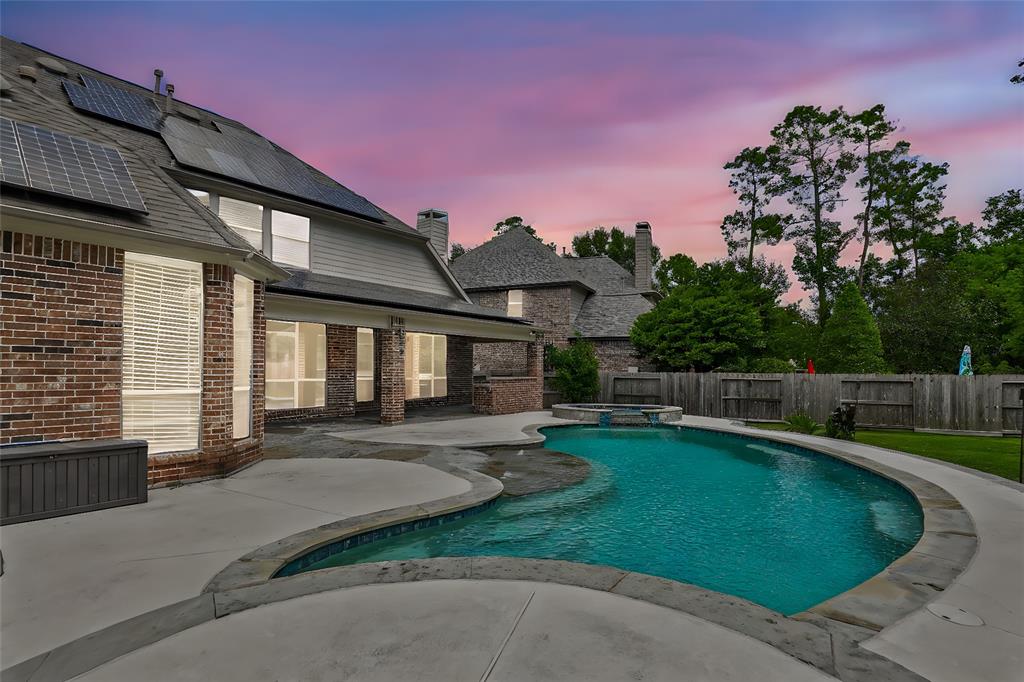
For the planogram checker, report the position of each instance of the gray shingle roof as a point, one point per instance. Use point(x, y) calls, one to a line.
point(340, 288)
point(610, 315)
point(510, 260)
point(603, 274)
point(172, 211)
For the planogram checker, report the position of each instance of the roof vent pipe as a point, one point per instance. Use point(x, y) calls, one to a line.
point(159, 74)
point(28, 73)
point(169, 100)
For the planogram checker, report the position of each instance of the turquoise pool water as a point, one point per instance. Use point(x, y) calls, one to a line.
point(780, 526)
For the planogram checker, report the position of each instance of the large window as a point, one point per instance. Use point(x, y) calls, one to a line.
point(162, 365)
point(364, 365)
point(290, 243)
point(296, 364)
point(242, 389)
point(426, 366)
point(515, 303)
point(243, 217)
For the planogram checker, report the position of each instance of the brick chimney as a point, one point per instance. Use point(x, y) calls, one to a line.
point(433, 223)
point(642, 257)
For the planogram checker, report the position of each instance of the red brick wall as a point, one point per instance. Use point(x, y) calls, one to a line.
point(60, 339)
point(619, 355)
point(508, 395)
point(550, 308)
point(340, 389)
point(392, 375)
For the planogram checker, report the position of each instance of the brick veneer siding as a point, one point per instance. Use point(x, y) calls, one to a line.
point(340, 380)
point(618, 355)
point(60, 339)
point(550, 308)
point(392, 375)
point(507, 395)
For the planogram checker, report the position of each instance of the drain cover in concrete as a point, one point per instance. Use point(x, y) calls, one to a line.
point(955, 614)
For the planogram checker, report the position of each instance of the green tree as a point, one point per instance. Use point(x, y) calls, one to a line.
point(755, 180)
point(457, 250)
point(503, 226)
point(926, 320)
point(815, 159)
point(1004, 216)
point(677, 270)
point(1018, 78)
point(994, 276)
point(869, 128)
point(699, 327)
point(850, 341)
point(576, 371)
point(790, 335)
point(922, 202)
point(614, 243)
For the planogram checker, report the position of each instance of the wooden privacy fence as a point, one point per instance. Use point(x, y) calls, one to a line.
point(905, 401)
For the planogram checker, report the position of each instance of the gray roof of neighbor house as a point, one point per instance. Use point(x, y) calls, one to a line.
point(515, 260)
point(509, 260)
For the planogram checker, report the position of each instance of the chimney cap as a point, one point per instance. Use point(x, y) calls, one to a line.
point(436, 211)
point(643, 225)
point(159, 73)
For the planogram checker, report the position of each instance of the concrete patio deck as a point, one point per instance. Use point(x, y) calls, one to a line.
point(120, 563)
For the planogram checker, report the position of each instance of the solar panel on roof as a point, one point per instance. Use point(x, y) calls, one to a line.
point(103, 99)
point(12, 165)
point(245, 156)
point(69, 166)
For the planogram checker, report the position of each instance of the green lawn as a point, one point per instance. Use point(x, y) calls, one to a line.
point(993, 455)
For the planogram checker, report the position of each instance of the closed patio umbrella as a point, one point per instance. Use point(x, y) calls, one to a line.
point(965, 363)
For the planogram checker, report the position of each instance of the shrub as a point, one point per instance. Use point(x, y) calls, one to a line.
point(771, 366)
point(576, 377)
point(850, 342)
point(798, 422)
point(842, 423)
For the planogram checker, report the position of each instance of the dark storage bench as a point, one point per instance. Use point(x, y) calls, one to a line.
point(42, 480)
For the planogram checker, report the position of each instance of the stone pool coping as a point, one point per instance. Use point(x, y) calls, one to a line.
point(591, 413)
point(825, 636)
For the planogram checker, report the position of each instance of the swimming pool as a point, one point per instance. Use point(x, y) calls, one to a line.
point(776, 524)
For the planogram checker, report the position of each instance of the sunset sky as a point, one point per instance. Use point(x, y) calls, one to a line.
point(571, 115)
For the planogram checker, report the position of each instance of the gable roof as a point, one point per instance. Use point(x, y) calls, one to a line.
point(512, 259)
point(173, 213)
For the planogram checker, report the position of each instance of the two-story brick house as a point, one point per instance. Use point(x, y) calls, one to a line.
point(168, 274)
point(594, 298)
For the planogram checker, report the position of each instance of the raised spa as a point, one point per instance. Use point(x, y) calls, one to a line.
point(607, 414)
point(776, 524)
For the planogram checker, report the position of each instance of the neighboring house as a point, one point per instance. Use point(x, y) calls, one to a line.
point(170, 275)
point(595, 298)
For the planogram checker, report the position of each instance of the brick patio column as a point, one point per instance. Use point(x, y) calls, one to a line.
point(392, 372)
point(535, 357)
point(341, 370)
point(218, 358)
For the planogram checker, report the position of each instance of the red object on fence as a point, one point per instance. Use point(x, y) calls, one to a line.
point(810, 366)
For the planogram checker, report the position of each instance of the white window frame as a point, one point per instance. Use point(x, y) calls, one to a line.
point(151, 387)
point(515, 303)
point(284, 227)
point(247, 232)
point(414, 374)
point(242, 327)
point(296, 380)
point(365, 378)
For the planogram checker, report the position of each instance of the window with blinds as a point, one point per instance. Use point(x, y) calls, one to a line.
point(243, 217)
point(515, 303)
point(290, 243)
point(426, 366)
point(364, 365)
point(241, 396)
point(162, 365)
point(296, 365)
